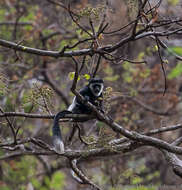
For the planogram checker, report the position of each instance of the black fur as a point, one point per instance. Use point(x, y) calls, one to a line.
point(90, 93)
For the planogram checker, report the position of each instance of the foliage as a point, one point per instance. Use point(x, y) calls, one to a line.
point(177, 50)
point(173, 2)
point(56, 182)
point(41, 96)
point(3, 85)
point(176, 71)
point(16, 173)
point(31, 84)
point(91, 12)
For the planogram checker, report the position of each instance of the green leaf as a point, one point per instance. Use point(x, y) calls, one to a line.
point(43, 188)
point(175, 71)
point(126, 65)
point(173, 2)
point(176, 49)
point(62, 44)
point(57, 182)
point(136, 180)
point(142, 55)
point(36, 183)
point(145, 74)
point(112, 78)
point(127, 173)
point(5, 188)
point(47, 181)
point(127, 77)
point(109, 70)
point(27, 107)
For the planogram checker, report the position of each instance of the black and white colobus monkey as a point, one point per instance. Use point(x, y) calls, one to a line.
point(93, 94)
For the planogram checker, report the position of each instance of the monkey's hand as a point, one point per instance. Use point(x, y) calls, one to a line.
point(86, 99)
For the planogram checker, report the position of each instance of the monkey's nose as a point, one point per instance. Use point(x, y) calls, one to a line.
point(97, 90)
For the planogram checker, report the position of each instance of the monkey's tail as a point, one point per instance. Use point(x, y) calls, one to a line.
point(57, 136)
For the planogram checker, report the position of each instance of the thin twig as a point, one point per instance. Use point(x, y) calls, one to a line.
point(97, 65)
point(76, 75)
point(83, 63)
point(11, 126)
point(162, 65)
point(75, 21)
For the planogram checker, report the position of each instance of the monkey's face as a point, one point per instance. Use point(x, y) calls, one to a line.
point(96, 88)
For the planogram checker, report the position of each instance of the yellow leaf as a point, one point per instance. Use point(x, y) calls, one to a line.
point(71, 75)
point(87, 76)
point(100, 37)
point(165, 61)
point(156, 48)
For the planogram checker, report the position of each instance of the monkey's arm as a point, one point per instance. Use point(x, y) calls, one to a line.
point(84, 93)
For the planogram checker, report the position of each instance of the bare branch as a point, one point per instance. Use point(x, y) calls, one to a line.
point(173, 160)
point(40, 52)
point(131, 61)
point(81, 175)
point(151, 132)
point(20, 114)
point(83, 64)
point(75, 21)
point(99, 50)
point(162, 64)
point(132, 135)
point(61, 5)
point(145, 106)
point(97, 65)
point(76, 75)
point(49, 81)
point(11, 127)
point(74, 117)
point(12, 23)
point(76, 126)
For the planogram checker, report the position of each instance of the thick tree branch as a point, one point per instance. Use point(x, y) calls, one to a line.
point(173, 160)
point(75, 117)
point(151, 132)
point(81, 175)
point(40, 52)
point(72, 154)
point(99, 50)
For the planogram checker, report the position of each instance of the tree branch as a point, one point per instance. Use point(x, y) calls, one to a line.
point(173, 160)
point(81, 175)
